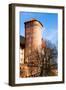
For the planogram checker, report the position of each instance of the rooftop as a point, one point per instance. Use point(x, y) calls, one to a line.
point(22, 41)
point(32, 20)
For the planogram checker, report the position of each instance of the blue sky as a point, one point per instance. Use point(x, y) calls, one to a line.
point(49, 21)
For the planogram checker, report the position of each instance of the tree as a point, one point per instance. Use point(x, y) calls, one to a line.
point(34, 63)
point(49, 59)
point(43, 62)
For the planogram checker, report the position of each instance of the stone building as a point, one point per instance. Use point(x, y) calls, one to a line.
point(33, 37)
point(30, 66)
point(22, 47)
point(34, 53)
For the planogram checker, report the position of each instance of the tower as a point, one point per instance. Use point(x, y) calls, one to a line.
point(33, 36)
point(33, 41)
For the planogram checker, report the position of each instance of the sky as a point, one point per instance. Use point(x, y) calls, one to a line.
point(49, 21)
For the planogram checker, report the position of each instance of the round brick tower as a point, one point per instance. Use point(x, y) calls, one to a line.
point(33, 39)
point(33, 36)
